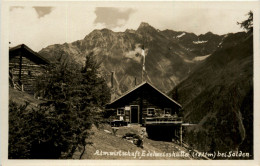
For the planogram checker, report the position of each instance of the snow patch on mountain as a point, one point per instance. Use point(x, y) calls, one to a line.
point(200, 58)
point(179, 36)
point(199, 42)
point(185, 59)
point(220, 44)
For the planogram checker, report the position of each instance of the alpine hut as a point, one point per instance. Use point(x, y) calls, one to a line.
point(144, 104)
point(24, 66)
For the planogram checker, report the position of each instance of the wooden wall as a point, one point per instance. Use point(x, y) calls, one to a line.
point(25, 70)
point(14, 64)
point(145, 97)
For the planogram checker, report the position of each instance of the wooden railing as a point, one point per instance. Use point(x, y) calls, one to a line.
point(163, 120)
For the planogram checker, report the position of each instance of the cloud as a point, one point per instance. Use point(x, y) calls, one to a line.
point(196, 20)
point(136, 54)
point(62, 24)
point(42, 11)
point(112, 17)
point(42, 26)
point(15, 7)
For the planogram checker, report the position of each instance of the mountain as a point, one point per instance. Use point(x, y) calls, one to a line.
point(218, 97)
point(170, 57)
point(212, 75)
point(201, 45)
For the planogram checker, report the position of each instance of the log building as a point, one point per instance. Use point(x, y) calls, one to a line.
point(148, 106)
point(143, 102)
point(24, 67)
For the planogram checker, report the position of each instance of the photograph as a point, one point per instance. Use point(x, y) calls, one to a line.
point(95, 81)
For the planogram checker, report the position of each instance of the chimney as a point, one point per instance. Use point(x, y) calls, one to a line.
point(112, 79)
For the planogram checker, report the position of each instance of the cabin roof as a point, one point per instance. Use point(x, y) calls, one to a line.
point(140, 85)
point(35, 54)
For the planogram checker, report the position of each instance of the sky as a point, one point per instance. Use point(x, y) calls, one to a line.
point(40, 26)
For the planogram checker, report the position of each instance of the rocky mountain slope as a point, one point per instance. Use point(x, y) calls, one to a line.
point(218, 97)
point(213, 74)
point(170, 55)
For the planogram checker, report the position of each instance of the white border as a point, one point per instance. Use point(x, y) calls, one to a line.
point(4, 91)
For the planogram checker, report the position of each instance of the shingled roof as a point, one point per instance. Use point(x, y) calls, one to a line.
point(139, 86)
point(33, 55)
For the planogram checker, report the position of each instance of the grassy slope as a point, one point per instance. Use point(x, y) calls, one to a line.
point(218, 97)
point(21, 98)
point(109, 143)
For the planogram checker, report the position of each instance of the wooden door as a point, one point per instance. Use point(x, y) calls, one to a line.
point(134, 114)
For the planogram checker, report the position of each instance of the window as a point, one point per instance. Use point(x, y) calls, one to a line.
point(120, 111)
point(29, 73)
point(150, 111)
point(167, 111)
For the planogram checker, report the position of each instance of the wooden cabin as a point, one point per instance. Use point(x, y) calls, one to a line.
point(144, 103)
point(24, 67)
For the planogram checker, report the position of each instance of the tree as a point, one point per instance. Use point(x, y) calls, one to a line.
point(76, 98)
point(40, 133)
point(247, 24)
point(19, 144)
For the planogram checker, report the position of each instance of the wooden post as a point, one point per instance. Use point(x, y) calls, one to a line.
point(22, 86)
point(181, 135)
point(142, 75)
point(20, 65)
point(141, 108)
point(112, 79)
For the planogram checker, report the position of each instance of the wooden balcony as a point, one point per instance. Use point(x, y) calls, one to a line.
point(163, 120)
